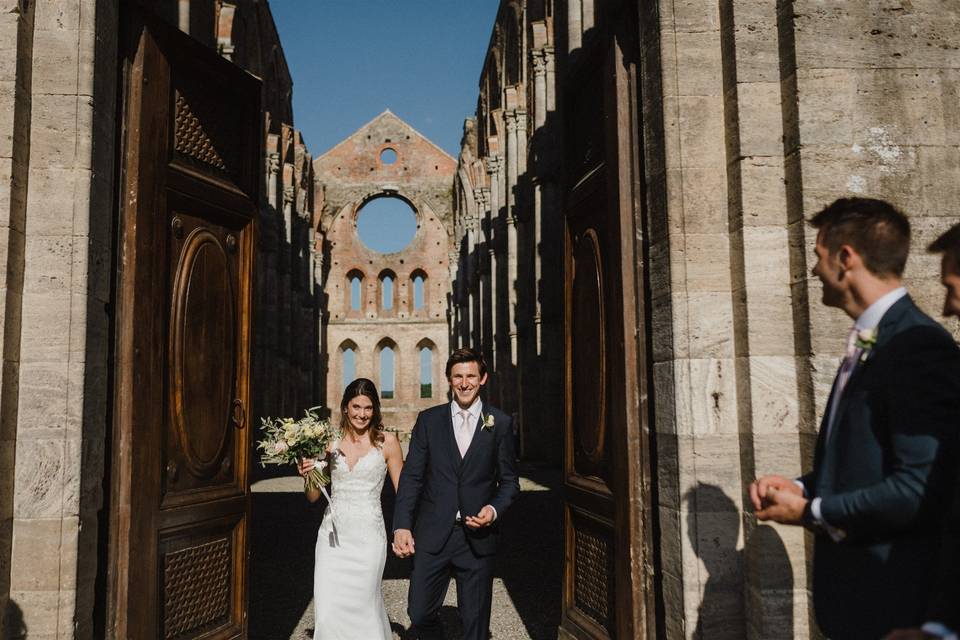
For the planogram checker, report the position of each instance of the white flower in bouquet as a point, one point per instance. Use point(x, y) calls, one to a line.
point(288, 441)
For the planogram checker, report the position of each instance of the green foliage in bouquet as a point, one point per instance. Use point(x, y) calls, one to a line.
point(287, 441)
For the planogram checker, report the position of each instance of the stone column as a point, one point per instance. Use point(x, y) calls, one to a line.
point(539, 87)
point(574, 24)
point(512, 119)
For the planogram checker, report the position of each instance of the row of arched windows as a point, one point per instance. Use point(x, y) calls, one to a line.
point(387, 293)
point(386, 361)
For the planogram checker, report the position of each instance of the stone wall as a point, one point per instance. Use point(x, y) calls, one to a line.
point(508, 283)
point(770, 111)
point(58, 92)
point(348, 176)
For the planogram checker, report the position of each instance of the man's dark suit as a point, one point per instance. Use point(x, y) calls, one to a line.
point(884, 477)
point(436, 483)
point(945, 594)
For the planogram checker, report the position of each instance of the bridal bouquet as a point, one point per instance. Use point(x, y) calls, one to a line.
point(287, 441)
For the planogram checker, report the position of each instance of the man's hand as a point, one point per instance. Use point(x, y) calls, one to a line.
point(403, 544)
point(482, 519)
point(909, 634)
point(782, 505)
point(761, 486)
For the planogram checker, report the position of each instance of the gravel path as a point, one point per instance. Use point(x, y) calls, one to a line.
point(526, 588)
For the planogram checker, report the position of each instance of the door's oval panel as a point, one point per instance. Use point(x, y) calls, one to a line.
point(203, 337)
point(588, 357)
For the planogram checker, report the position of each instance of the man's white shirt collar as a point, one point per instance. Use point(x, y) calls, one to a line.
point(870, 318)
point(474, 410)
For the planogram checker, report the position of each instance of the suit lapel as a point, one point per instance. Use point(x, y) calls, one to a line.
point(885, 331)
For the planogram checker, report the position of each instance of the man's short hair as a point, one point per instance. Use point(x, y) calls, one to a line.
point(874, 228)
point(948, 244)
point(466, 354)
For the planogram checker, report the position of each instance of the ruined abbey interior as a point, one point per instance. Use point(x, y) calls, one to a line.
point(622, 234)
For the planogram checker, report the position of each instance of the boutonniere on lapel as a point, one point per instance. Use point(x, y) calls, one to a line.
point(866, 340)
point(488, 422)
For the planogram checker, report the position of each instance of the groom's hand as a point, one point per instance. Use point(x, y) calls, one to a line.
point(403, 544)
point(760, 489)
point(482, 519)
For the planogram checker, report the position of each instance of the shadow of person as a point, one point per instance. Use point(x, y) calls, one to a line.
point(14, 627)
point(714, 534)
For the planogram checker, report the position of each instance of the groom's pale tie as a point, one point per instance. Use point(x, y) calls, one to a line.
point(846, 369)
point(464, 433)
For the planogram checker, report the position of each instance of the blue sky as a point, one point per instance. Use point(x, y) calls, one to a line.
point(351, 59)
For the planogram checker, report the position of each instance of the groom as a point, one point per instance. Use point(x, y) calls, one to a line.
point(460, 473)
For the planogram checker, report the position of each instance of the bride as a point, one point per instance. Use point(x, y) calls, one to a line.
point(352, 544)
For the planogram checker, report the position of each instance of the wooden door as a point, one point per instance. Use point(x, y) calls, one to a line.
point(607, 582)
point(180, 500)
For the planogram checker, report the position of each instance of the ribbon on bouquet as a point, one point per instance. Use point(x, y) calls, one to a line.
point(333, 517)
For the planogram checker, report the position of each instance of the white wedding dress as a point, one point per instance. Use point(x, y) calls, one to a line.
point(351, 553)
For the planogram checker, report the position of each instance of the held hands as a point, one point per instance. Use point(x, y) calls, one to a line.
point(403, 545)
point(778, 499)
point(482, 519)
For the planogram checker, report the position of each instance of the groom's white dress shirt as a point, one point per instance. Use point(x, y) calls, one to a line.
point(463, 429)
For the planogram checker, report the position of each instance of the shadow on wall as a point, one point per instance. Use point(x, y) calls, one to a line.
point(714, 534)
point(13, 625)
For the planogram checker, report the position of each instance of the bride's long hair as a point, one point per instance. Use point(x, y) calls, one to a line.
point(363, 387)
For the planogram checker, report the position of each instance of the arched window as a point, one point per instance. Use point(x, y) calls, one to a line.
point(348, 362)
point(387, 289)
point(419, 290)
point(426, 372)
point(355, 289)
point(387, 372)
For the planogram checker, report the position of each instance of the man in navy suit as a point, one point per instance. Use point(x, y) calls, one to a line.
point(943, 611)
point(883, 468)
point(458, 480)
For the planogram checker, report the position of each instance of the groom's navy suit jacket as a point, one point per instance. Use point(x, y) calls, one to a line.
point(437, 480)
point(885, 476)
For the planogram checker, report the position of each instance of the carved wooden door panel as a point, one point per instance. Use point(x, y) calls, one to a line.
point(180, 500)
point(606, 590)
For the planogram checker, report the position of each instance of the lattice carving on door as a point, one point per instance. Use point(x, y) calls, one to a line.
point(191, 140)
point(196, 583)
point(593, 576)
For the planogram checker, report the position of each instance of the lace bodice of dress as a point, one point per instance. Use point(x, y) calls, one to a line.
point(355, 500)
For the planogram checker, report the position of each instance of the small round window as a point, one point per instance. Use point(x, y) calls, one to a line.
point(388, 156)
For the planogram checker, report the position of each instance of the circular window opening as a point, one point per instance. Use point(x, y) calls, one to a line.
point(388, 156)
point(386, 224)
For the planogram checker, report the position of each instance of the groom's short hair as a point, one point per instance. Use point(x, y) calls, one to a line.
point(874, 228)
point(466, 354)
point(949, 244)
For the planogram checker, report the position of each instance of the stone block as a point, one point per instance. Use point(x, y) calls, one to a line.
point(39, 480)
point(774, 396)
point(769, 323)
point(705, 397)
point(55, 61)
point(673, 607)
point(701, 131)
point(66, 614)
point(704, 200)
point(939, 174)
point(49, 264)
point(39, 610)
point(43, 392)
point(760, 119)
point(719, 615)
point(668, 478)
point(756, 38)
point(689, 16)
point(712, 460)
point(764, 248)
point(45, 335)
point(70, 530)
point(699, 66)
point(706, 258)
point(710, 325)
point(7, 110)
point(763, 191)
point(908, 104)
point(35, 556)
point(54, 130)
point(671, 541)
point(52, 197)
point(57, 16)
point(827, 102)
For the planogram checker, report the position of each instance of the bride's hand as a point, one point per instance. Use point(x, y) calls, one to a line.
point(306, 466)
